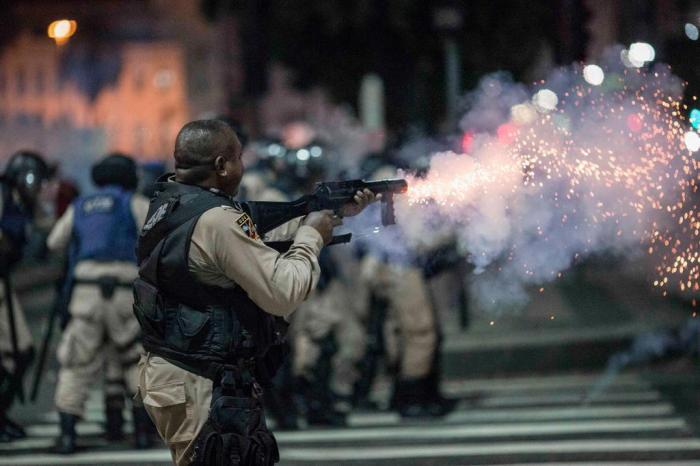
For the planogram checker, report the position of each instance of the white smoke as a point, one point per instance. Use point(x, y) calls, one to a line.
point(551, 180)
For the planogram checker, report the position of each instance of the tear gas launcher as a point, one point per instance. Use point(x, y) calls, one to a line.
point(331, 195)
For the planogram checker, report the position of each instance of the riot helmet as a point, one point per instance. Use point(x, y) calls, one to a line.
point(26, 172)
point(116, 169)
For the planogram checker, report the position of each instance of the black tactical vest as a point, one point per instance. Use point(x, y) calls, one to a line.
point(200, 328)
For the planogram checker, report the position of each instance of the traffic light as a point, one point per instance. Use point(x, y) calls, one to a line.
point(695, 118)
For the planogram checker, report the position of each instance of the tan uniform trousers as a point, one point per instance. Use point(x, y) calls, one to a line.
point(410, 313)
point(96, 324)
point(24, 338)
point(177, 401)
point(331, 310)
point(114, 372)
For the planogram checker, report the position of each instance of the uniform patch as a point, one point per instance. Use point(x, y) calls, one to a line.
point(157, 216)
point(98, 205)
point(248, 227)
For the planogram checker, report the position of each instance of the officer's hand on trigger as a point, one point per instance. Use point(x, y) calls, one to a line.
point(323, 221)
point(362, 199)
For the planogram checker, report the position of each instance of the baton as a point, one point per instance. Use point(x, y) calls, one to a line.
point(39, 369)
point(13, 334)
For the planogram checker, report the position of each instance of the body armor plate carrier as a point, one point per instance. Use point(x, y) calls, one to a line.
point(211, 331)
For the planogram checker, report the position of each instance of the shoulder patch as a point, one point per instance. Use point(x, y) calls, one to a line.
point(248, 227)
point(157, 216)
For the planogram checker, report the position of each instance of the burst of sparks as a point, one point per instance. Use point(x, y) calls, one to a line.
point(625, 158)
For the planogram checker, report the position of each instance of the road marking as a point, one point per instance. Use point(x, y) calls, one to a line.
point(107, 457)
point(83, 429)
point(527, 414)
point(490, 448)
point(429, 432)
point(609, 463)
point(564, 398)
point(38, 443)
point(87, 428)
point(576, 382)
point(430, 451)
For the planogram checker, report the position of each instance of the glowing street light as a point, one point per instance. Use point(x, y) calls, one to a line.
point(593, 74)
point(62, 30)
point(545, 100)
point(692, 141)
point(642, 52)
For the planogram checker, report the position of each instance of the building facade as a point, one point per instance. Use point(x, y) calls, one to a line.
point(139, 112)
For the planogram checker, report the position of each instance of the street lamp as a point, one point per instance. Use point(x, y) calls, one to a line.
point(62, 30)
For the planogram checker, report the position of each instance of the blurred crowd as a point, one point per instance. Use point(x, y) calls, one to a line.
point(372, 317)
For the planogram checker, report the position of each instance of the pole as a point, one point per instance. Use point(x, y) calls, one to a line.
point(452, 80)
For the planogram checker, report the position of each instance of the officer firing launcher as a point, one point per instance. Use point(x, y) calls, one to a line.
point(332, 195)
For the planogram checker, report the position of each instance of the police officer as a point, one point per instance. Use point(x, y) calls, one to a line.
point(320, 373)
point(101, 230)
point(392, 271)
point(209, 298)
point(19, 189)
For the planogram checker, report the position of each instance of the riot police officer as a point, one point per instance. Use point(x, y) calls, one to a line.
point(100, 231)
point(209, 297)
point(19, 189)
point(398, 285)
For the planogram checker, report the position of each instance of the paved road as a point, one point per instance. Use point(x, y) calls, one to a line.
point(534, 420)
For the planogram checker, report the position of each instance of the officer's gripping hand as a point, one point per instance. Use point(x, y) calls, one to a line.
point(361, 200)
point(323, 221)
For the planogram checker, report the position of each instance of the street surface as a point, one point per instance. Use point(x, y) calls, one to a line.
point(532, 420)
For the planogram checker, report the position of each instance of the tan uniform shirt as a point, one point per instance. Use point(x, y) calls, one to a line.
point(226, 251)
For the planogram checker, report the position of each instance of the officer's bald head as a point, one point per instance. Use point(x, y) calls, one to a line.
point(199, 142)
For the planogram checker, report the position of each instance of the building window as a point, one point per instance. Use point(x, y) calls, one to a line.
point(21, 81)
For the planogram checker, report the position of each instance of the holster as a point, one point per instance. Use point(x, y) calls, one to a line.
point(235, 433)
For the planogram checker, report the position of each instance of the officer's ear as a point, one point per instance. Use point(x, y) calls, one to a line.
point(220, 165)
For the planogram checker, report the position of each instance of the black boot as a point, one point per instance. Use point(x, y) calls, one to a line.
point(14, 430)
point(414, 398)
point(142, 428)
point(439, 404)
point(318, 403)
point(66, 442)
point(9, 430)
point(9, 388)
point(374, 352)
point(279, 398)
point(114, 418)
point(319, 398)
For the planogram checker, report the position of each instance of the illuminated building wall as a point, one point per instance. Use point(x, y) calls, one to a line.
point(143, 112)
point(140, 113)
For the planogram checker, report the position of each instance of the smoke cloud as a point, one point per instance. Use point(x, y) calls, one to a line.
point(559, 171)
